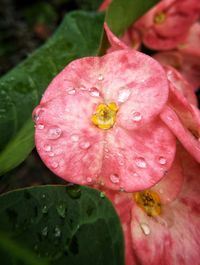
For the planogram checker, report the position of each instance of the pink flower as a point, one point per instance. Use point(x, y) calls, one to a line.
point(180, 112)
point(167, 24)
point(187, 64)
point(161, 225)
point(190, 45)
point(98, 122)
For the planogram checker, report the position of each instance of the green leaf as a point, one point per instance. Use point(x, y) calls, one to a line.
point(121, 14)
point(22, 88)
point(66, 225)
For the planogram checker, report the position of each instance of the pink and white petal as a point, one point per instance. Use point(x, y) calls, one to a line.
point(155, 41)
point(180, 87)
point(115, 43)
point(136, 160)
point(190, 142)
point(191, 45)
point(81, 76)
point(187, 64)
point(137, 83)
point(171, 241)
point(132, 38)
point(170, 186)
point(65, 139)
point(187, 113)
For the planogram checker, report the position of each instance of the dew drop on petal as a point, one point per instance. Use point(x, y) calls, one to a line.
point(162, 160)
point(40, 126)
point(47, 148)
point(71, 91)
point(54, 133)
point(84, 145)
point(51, 154)
point(140, 162)
point(94, 92)
point(100, 77)
point(123, 94)
point(75, 138)
point(136, 116)
point(89, 180)
point(145, 229)
point(54, 164)
point(114, 178)
point(36, 113)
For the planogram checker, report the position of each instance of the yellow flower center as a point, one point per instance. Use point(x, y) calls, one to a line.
point(105, 115)
point(149, 201)
point(160, 18)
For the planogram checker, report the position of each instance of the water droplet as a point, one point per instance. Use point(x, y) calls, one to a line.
point(100, 77)
point(57, 232)
point(54, 133)
point(135, 175)
point(102, 194)
point(54, 164)
point(169, 118)
point(145, 229)
point(162, 160)
point(71, 91)
point(74, 138)
point(61, 210)
point(123, 94)
point(36, 113)
point(94, 92)
point(114, 178)
point(83, 88)
point(43, 196)
point(47, 148)
point(84, 145)
point(121, 189)
point(44, 209)
point(89, 180)
point(136, 116)
point(45, 231)
point(51, 154)
point(40, 126)
point(140, 162)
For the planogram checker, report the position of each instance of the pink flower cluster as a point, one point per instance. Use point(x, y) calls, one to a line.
point(129, 126)
point(172, 29)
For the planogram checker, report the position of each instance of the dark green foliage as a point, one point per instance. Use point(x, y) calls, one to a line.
point(64, 225)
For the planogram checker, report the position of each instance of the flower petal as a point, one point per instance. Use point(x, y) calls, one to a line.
point(136, 160)
point(188, 140)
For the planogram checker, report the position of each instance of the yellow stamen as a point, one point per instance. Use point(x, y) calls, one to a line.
point(149, 201)
point(105, 115)
point(160, 18)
